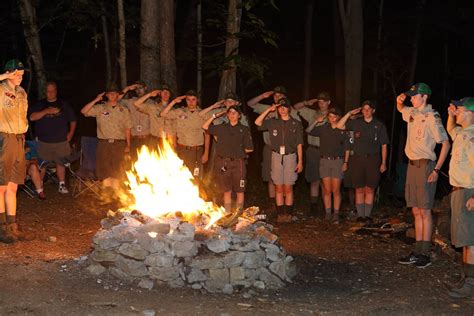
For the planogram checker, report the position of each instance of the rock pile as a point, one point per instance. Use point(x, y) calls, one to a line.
point(176, 253)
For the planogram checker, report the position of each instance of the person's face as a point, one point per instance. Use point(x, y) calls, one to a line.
point(367, 111)
point(463, 115)
point(140, 90)
point(277, 96)
point(51, 92)
point(324, 105)
point(283, 110)
point(17, 78)
point(112, 96)
point(333, 118)
point(165, 95)
point(233, 116)
point(230, 102)
point(191, 101)
point(418, 100)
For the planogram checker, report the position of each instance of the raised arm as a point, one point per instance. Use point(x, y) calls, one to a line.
point(139, 102)
point(451, 124)
point(252, 102)
point(89, 105)
point(216, 105)
point(167, 109)
point(342, 122)
point(127, 89)
point(206, 124)
point(261, 117)
point(400, 99)
point(302, 104)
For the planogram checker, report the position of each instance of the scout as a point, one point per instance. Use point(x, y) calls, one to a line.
point(312, 155)
point(190, 136)
point(369, 158)
point(13, 126)
point(333, 161)
point(425, 129)
point(286, 144)
point(234, 142)
point(114, 123)
point(461, 176)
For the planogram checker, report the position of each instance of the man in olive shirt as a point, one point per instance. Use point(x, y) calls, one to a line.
point(286, 144)
point(461, 176)
point(233, 143)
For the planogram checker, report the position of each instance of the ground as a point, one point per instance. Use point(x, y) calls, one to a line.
point(339, 272)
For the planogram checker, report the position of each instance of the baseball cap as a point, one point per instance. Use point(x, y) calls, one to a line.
point(324, 95)
point(284, 102)
point(467, 102)
point(369, 103)
point(141, 82)
point(164, 86)
point(419, 88)
point(234, 108)
point(230, 95)
point(191, 93)
point(335, 111)
point(280, 89)
point(14, 64)
point(112, 87)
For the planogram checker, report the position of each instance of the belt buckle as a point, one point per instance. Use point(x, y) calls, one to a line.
point(110, 141)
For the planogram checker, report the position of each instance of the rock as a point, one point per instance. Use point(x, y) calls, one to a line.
point(260, 285)
point(272, 251)
point(124, 233)
point(166, 274)
point(105, 239)
point(237, 274)
point(278, 268)
point(154, 227)
point(103, 255)
point(119, 274)
point(149, 312)
point(52, 239)
point(271, 281)
point(247, 247)
point(218, 278)
point(131, 267)
point(184, 249)
point(266, 235)
point(150, 244)
point(133, 251)
point(233, 259)
point(195, 275)
point(218, 245)
point(291, 269)
point(228, 289)
point(146, 283)
point(176, 283)
point(159, 260)
point(196, 286)
point(96, 269)
point(211, 262)
point(255, 259)
point(108, 223)
point(251, 274)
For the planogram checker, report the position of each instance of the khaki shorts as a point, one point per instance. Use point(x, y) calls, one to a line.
point(12, 158)
point(230, 174)
point(462, 220)
point(53, 151)
point(418, 192)
point(109, 159)
point(267, 163)
point(284, 168)
point(313, 156)
point(331, 168)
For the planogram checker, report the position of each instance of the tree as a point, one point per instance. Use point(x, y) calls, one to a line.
point(416, 39)
point(167, 43)
point(350, 12)
point(149, 43)
point(122, 45)
point(308, 49)
point(30, 29)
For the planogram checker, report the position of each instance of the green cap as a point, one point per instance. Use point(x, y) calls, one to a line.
point(112, 87)
point(467, 102)
point(164, 86)
point(419, 88)
point(230, 95)
point(284, 102)
point(279, 89)
point(14, 64)
point(324, 95)
point(191, 93)
point(141, 83)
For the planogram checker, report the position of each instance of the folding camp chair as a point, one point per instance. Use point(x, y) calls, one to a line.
point(30, 154)
point(85, 178)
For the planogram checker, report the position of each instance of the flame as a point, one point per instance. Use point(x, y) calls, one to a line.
point(161, 186)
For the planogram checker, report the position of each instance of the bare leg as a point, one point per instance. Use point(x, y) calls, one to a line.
point(336, 192)
point(279, 196)
point(271, 189)
point(35, 175)
point(427, 221)
point(240, 199)
point(228, 200)
point(327, 193)
point(288, 189)
point(314, 189)
point(10, 198)
point(60, 172)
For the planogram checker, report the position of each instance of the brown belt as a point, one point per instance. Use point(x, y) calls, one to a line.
point(140, 136)
point(457, 188)
point(419, 162)
point(197, 147)
point(110, 141)
point(331, 157)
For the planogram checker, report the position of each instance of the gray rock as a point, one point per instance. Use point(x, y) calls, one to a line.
point(131, 267)
point(103, 255)
point(176, 283)
point(271, 281)
point(237, 274)
point(233, 259)
point(255, 259)
point(291, 268)
point(260, 285)
point(272, 251)
point(159, 260)
point(218, 278)
point(154, 227)
point(134, 251)
point(195, 275)
point(251, 274)
point(96, 269)
point(218, 245)
point(119, 274)
point(184, 249)
point(247, 247)
point(150, 244)
point(124, 233)
point(278, 268)
point(166, 273)
point(146, 284)
point(105, 240)
point(196, 286)
point(207, 262)
point(228, 289)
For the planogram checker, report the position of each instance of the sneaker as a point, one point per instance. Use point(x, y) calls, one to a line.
point(465, 291)
point(335, 219)
point(410, 259)
point(423, 261)
point(62, 189)
point(41, 195)
point(327, 217)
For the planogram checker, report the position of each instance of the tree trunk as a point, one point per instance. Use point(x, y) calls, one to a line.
point(122, 44)
point(167, 44)
point(378, 50)
point(199, 50)
point(338, 97)
point(308, 48)
point(108, 63)
point(352, 26)
point(30, 29)
point(228, 78)
point(416, 40)
point(149, 43)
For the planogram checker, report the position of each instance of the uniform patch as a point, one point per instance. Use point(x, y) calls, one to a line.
point(357, 134)
point(183, 117)
point(275, 132)
point(105, 113)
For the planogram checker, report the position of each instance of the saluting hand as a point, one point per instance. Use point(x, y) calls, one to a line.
point(179, 99)
point(273, 107)
point(470, 204)
point(452, 110)
point(154, 93)
point(99, 97)
point(320, 118)
point(267, 94)
point(401, 98)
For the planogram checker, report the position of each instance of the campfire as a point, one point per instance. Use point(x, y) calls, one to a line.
point(167, 233)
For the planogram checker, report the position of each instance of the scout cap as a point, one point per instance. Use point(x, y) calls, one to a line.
point(335, 111)
point(468, 103)
point(279, 89)
point(419, 88)
point(230, 95)
point(324, 95)
point(112, 87)
point(234, 108)
point(369, 103)
point(164, 86)
point(284, 102)
point(191, 93)
point(14, 64)
point(141, 83)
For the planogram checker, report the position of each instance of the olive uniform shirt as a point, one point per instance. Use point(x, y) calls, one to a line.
point(425, 129)
point(310, 115)
point(157, 123)
point(188, 126)
point(287, 133)
point(334, 142)
point(13, 109)
point(223, 119)
point(368, 136)
point(232, 141)
point(461, 166)
point(112, 121)
point(141, 121)
point(259, 108)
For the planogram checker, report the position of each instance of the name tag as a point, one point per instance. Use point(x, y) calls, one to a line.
point(282, 150)
point(138, 128)
point(196, 172)
point(242, 183)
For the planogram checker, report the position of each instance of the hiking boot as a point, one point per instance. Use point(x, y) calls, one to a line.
point(410, 259)
point(17, 233)
point(284, 218)
point(423, 261)
point(62, 189)
point(327, 217)
point(360, 219)
point(466, 291)
point(5, 235)
point(42, 195)
point(335, 219)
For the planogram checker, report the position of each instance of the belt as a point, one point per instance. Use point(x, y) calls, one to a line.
point(458, 188)
point(140, 136)
point(314, 146)
point(367, 155)
point(284, 154)
point(230, 158)
point(331, 157)
point(419, 162)
point(111, 141)
point(197, 147)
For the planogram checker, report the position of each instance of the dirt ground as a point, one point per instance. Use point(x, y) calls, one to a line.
point(339, 273)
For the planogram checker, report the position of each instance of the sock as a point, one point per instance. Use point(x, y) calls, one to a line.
point(360, 210)
point(62, 183)
point(336, 211)
point(11, 219)
point(368, 209)
point(468, 270)
point(425, 248)
point(289, 209)
point(328, 210)
point(3, 218)
point(417, 249)
point(228, 207)
point(315, 199)
point(39, 191)
point(239, 205)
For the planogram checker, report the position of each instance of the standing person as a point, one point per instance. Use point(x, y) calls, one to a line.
point(312, 156)
point(286, 144)
point(234, 143)
point(277, 93)
point(114, 124)
point(461, 176)
point(55, 124)
point(190, 136)
point(425, 129)
point(369, 158)
point(333, 162)
point(13, 126)
point(140, 132)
